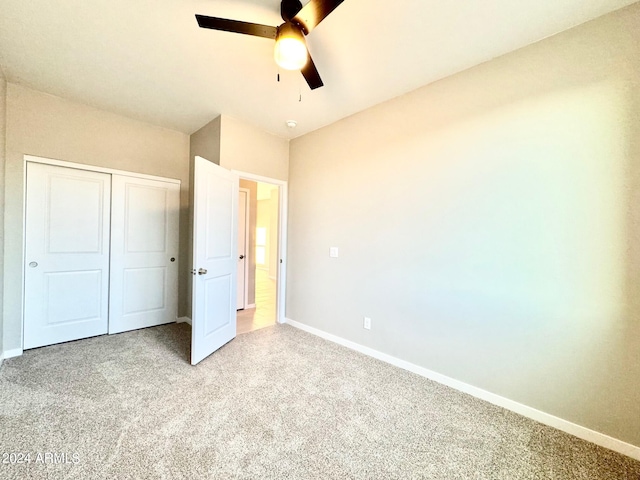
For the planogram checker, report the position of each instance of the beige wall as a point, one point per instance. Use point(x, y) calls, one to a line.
point(48, 126)
point(248, 149)
point(3, 125)
point(268, 212)
point(205, 142)
point(264, 221)
point(251, 248)
point(489, 224)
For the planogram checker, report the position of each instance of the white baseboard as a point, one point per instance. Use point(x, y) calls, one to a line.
point(183, 320)
point(579, 431)
point(251, 305)
point(16, 352)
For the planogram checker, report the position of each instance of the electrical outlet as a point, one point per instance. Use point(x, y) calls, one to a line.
point(367, 323)
point(333, 252)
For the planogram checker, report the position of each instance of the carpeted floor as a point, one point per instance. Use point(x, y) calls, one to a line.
point(276, 403)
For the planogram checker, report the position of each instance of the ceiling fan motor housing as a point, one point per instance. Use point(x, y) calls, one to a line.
point(290, 51)
point(289, 9)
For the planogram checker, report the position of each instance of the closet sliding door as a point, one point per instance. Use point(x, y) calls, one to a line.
point(144, 253)
point(101, 253)
point(66, 254)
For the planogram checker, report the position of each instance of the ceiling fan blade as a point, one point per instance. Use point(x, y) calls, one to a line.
point(311, 75)
point(313, 13)
point(236, 26)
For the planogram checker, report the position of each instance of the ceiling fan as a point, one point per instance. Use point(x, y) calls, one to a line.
point(290, 51)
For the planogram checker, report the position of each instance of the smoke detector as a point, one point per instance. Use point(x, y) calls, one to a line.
point(291, 123)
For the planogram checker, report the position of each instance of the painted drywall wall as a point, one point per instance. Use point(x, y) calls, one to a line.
point(251, 247)
point(48, 126)
point(268, 208)
point(3, 132)
point(246, 148)
point(205, 142)
point(489, 224)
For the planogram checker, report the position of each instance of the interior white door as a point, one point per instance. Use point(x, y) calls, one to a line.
point(67, 254)
point(215, 253)
point(242, 248)
point(144, 253)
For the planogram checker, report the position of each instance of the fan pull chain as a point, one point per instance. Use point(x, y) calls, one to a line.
point(299, 91)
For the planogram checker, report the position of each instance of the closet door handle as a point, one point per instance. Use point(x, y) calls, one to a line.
point(202, 271)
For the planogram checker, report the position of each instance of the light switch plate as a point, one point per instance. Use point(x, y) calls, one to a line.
point(333, 252)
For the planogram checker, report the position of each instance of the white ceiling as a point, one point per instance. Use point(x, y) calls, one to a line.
point(149, 60)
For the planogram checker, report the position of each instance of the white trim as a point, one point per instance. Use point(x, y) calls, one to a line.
point(259, 178)
point(579, 431)
point(93, 168)
point(183, 320)
point(281, 284)
point(23, 253)
point(251, 305)
point(16, 352)
point(247, 247)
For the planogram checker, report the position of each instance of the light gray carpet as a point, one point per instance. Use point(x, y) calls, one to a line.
point(277, 403)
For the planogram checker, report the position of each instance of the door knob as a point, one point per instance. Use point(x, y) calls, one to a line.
point(33, 264)
point(241, 257)
point(202, 271)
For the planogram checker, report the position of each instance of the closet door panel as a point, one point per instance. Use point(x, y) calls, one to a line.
point(144, 252)
point(66, 254)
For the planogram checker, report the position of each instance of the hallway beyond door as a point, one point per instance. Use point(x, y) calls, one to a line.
point(264, 314)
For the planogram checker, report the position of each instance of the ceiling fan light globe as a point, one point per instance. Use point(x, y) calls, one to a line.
point(290, 53)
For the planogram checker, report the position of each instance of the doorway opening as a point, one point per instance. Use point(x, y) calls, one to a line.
point(259, 257)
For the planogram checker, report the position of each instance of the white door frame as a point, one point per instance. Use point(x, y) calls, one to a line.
point(247, 247)
point(93, 168)
point(281, 285)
